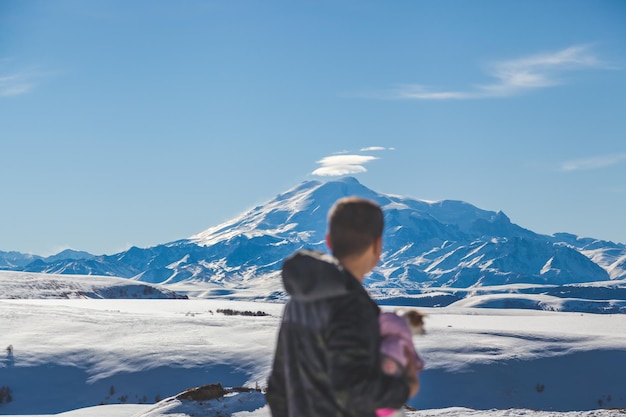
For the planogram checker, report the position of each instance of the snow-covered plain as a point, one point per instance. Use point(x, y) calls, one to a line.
point(69, 356)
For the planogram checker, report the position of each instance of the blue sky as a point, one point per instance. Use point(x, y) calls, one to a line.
point(139, 123)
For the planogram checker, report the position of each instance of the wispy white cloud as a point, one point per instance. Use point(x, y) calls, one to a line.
point(511, 77)
point(15, 84)
point(377, 148)
point(595, 162)
point(342, 165)
point(15, 81)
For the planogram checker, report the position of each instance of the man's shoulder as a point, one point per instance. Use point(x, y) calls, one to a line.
point(355, 301)
point(311, 276)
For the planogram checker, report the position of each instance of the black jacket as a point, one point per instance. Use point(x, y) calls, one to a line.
point(327, 361)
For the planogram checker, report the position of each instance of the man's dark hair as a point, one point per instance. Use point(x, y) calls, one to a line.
point(354, 224)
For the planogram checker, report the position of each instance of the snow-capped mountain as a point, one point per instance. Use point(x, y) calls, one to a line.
point(11, 260)
point(427, 245)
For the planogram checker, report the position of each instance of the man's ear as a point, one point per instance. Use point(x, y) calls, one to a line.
point(329, 242)
point(378, 246)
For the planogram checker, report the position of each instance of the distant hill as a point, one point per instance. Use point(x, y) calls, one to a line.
point(69, 254)
point(16, 260)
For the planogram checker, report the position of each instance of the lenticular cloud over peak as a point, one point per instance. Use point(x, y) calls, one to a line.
point(377, 148)
point(336, 165)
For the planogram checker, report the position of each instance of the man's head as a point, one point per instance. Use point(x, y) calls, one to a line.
point(355, 227)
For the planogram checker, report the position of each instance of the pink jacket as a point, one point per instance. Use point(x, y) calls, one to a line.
point(395, 336)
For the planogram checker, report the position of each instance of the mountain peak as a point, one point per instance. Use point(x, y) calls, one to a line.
point(346, 180)
point(331, 191)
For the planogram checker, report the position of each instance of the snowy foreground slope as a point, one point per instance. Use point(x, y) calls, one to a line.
point(130, 354)
point(15, 285)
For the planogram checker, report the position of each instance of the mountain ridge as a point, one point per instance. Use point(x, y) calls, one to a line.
point(427, 244)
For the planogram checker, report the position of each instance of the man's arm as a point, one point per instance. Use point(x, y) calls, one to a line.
point(276, 388)
point(411, 372)
point(353, 344)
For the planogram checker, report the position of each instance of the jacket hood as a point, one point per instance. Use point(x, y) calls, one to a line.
point(310, 275)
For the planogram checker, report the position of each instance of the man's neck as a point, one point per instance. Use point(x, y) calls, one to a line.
point(355, 267)
point(361, 264)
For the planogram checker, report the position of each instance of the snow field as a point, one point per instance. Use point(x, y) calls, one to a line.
point(72, 354)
